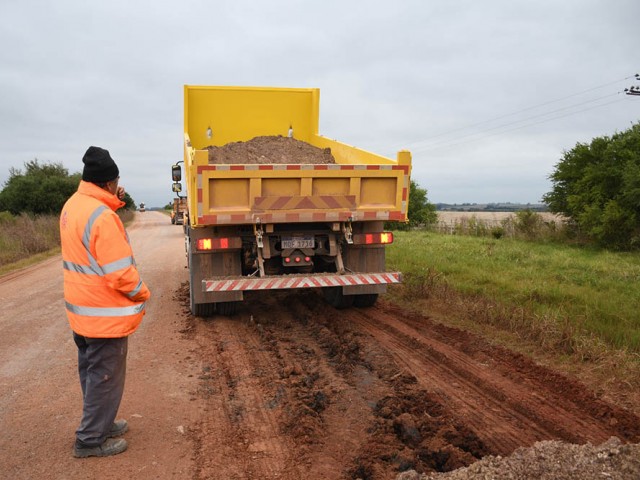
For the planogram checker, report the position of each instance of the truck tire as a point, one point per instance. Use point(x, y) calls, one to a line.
point(337, 299)
point(227, 308)
point(366, 300)
point(204, 309)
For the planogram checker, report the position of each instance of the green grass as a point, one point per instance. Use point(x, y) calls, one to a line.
point(559, 287)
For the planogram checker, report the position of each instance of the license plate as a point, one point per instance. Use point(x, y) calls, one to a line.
point(297, 242)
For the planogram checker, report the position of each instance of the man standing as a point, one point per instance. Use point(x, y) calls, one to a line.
point(104, 297)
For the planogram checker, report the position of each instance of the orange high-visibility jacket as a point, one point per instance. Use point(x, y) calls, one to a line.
point(103, 292)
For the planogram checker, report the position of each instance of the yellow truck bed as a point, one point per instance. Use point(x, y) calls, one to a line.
point(360, 186)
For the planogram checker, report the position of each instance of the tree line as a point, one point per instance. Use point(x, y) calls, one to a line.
point(42, 189)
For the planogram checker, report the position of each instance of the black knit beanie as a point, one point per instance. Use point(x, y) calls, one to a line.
point(99, 167)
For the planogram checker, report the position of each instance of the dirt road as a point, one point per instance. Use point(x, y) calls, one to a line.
point(290, 388)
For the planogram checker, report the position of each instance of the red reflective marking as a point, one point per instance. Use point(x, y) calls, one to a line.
point(280, 202)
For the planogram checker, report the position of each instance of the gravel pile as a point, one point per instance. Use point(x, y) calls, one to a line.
point(269, 150)
point(551, 460)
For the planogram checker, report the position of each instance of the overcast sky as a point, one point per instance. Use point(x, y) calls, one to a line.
point(486, 94)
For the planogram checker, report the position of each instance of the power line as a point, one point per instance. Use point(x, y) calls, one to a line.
point(523, 120)
point(414, 144)
point(438, 147)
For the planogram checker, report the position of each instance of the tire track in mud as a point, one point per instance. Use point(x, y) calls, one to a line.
point(507, 405)
point(238, 436)
point(271, 393)
point(408, 428)
point(326, 413)
point(296, 389)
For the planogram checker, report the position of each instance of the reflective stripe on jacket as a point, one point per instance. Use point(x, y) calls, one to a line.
point(103, 292)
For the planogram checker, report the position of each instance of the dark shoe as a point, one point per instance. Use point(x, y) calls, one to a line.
point(118, 428)
point(110, 446)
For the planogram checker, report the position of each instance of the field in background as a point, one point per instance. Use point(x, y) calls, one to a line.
point(523, 225)
point(491, 218)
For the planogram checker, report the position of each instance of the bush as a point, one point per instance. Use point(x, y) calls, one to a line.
point(7, 219)
point(529, 224)
point(597, 186)
point(497, 232)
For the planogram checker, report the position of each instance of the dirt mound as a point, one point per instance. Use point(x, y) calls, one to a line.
point(269, 150)
point(551, 460)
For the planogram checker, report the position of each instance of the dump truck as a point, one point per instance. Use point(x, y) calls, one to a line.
point(178, 211)
point(279, 225)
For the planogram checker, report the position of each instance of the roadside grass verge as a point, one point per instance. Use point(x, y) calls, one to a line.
point(574, 292)
point(27, 239)
point(24, 236)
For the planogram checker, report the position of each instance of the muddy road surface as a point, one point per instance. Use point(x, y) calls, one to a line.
point(289, 388)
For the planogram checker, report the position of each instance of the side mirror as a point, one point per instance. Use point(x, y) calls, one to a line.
point(176, 174)
point(176, 187)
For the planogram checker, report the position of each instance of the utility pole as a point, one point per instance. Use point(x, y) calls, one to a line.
point(634, 90)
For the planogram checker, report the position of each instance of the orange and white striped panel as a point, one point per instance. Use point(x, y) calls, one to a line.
point(284, 282)
point(326, 202)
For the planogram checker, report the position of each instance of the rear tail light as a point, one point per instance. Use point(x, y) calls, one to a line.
point(379, 238)
point(222, 243)
point(297, 259)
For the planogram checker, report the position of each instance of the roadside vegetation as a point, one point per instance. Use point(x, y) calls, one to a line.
point(23, 236)
point(30, 205)
point(565, 297)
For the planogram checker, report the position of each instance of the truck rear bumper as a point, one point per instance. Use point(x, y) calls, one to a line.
point(351, 282)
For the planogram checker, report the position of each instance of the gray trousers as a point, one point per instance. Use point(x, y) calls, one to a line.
point(102, 364)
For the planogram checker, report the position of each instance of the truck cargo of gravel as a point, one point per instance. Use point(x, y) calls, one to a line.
point(274, 205)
